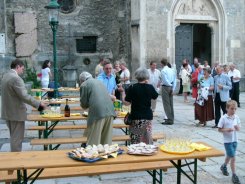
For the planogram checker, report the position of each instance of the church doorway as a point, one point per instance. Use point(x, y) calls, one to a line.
point(192, 40)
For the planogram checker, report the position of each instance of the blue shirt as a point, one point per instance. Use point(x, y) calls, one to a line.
point(168, 77)
point(224, 80)
point(108, 81)
point(207, 83)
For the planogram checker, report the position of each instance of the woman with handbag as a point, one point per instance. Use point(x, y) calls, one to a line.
point(139, 96)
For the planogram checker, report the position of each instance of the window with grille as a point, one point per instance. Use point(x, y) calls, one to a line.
point(67, 6)
point(87, 44)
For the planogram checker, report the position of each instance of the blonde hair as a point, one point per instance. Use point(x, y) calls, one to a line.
point(230, 103)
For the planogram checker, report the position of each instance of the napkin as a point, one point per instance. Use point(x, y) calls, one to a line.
point(52, 115)
point(75, 114)
point(199, 147)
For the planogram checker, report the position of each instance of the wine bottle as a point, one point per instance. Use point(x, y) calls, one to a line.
point(67, 109)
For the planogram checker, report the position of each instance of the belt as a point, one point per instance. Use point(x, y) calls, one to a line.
point(166, 86)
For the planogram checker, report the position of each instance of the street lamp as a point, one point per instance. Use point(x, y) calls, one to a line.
point(53, 10)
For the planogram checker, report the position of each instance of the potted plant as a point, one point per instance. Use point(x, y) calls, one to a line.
point(30, 77)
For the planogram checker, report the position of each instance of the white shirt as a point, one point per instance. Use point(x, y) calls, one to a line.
point(45, 74)
point(125, 74)
point(235, 73)
point(154, 77)
point(229, 122)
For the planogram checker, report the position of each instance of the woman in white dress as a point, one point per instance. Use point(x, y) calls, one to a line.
point(46, 74)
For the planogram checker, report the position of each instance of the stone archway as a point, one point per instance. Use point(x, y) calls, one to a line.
point(208, 12)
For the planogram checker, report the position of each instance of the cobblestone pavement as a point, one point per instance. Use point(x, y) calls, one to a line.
point(208, 172)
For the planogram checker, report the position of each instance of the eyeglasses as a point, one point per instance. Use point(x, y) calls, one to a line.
point(108, 68)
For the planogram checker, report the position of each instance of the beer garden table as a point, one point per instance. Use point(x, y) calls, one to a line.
point(40, 160)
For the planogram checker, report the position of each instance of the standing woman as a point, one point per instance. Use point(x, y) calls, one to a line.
point(185, 75)
point(124, 76)
point(194, 80)
point(205, 112)
point(117, 72)
point(46, 74)
point(139, 96)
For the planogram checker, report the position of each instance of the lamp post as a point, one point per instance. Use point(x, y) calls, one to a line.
point(53, 10)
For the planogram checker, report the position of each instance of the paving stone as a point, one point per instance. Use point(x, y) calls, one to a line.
point(78, 180)
point(208, 172)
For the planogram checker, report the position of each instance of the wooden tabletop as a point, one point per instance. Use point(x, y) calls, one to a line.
point(38, 117)
point(58, 158)
point(59, 89)
point(63, 101)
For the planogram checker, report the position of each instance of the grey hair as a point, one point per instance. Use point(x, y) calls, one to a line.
point(141, 74)
point(208, 69)
point(122, 62)
point(84, 76)
point(117, 63)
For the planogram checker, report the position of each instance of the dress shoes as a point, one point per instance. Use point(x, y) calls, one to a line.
point(167, 122)
point(215, 126)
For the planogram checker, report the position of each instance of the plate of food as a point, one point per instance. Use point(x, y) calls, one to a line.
point(177, 149)
point(142, 149)
point(95, 153)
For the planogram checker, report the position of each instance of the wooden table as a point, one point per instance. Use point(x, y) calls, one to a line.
point(23, 161)
point(66, 89)
point(50, 124)
point(46, 90)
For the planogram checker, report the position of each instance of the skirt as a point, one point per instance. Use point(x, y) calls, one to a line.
point(206, 112)
point(141, 131)
point(186, 88)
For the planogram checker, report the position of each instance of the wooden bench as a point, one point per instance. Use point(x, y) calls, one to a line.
point(72, 127)
point(73, 140)
point(49, 173)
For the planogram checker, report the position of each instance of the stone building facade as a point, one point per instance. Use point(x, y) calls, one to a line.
point(212, 30)
point(136, 30)
point(88, 30)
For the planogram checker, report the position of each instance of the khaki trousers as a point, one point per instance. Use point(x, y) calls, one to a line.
point(167, 99)
point(16, 131)
point(100, 132)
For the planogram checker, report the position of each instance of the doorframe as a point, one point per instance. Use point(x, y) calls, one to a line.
point(216, 24)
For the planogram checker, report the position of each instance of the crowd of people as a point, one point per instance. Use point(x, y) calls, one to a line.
point(212, 89)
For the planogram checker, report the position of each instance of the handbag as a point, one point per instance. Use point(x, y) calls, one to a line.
point(127, 119)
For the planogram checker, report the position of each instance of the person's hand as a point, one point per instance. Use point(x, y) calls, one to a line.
point(120, 88)
point(44, 104)
point(171, 92)
point(231, 129)
point(220, 86)
point(113, 98)
point(236, 127)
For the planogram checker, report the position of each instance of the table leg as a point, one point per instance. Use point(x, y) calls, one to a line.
point(195, 171)
point(179, 172)
point(22, 178)
point(160, 176)
point(154, 177)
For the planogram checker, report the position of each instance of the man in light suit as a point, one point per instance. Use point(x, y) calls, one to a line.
point(14, 98)
point(222, 86)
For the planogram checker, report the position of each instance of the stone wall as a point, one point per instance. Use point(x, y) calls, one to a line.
point(106, 19)
point(158, 36)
